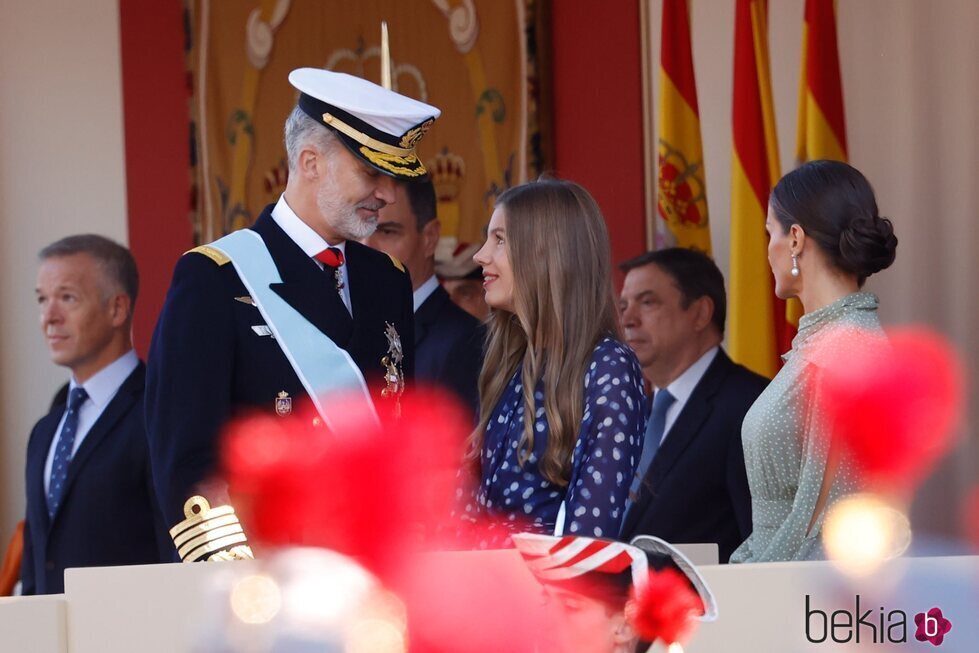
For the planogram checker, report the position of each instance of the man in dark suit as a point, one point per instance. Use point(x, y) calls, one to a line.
point(89, 490)
point(294, 308)
point(448, 340)
point(692, 486)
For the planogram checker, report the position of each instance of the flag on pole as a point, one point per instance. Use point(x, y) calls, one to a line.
point(681, 191)
point(758, 329)
point(821, 128)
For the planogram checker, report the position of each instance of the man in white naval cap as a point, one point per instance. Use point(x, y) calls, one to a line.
point(294, 308)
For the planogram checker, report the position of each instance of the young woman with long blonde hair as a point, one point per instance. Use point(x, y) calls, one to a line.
point(561, 398)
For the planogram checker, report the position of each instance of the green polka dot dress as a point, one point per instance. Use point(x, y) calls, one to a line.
point(785, 439)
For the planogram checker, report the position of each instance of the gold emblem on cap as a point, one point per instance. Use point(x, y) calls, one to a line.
point(211, 534)
point(412, 136)
point(283, 404)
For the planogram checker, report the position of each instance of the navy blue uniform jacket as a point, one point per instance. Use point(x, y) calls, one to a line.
point(448, 347)
point(108, 515)
point(207, 364)
point(696, 489)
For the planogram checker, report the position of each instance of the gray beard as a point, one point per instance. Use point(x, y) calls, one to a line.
point(343, 217)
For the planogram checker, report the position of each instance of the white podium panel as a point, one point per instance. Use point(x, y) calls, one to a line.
point(768, 608)
point(34, 624)
point(145, 608)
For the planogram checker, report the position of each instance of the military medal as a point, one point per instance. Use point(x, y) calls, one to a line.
point(283, 404)
point(332, 257)
point(393, 375)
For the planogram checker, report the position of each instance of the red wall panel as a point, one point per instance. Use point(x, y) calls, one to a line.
point(157, 137)
point(598, 111)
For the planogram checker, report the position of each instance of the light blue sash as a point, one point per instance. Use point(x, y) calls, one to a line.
point(329, 375)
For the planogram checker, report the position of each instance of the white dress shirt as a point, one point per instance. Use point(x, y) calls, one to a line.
point(310, 242)
point(684, 385)
point(101, 388)
point(424, 291)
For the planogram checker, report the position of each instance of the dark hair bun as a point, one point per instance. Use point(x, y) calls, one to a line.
point(867, 245)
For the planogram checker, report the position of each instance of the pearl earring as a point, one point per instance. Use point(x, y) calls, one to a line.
point(795, 266)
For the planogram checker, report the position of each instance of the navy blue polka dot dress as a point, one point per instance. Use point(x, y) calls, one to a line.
point(604, 460)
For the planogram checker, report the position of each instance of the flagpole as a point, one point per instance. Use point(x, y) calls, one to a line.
point(650, 171)
point(385, 57)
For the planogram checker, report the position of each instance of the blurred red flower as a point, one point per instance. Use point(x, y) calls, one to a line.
point(894, 403)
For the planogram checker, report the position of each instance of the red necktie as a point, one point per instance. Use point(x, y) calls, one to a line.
point(330, 257)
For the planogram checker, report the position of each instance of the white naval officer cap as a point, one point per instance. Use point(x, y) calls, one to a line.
point(377, 125)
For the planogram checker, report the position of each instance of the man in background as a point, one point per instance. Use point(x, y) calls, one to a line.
point(691, 485)
point(463, 280)
point(90, 498)
point(448, 341)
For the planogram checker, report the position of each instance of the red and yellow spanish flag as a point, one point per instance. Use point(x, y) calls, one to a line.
point(682, 194)
point(758, 328)
point(821, 128)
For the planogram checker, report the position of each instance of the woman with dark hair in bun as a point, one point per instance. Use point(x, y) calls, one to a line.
point(825, 239)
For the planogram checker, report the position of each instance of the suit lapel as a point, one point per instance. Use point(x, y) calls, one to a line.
point(427, 314)
point(683, 432)
point(37, 456)
point(304, 286)
point(128, 394)
point(368, 302)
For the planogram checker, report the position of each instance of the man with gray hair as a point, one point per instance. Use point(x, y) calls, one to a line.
point(90, 498)
point(293, 309)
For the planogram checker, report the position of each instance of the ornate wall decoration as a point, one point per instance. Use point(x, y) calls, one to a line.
point(477, 60)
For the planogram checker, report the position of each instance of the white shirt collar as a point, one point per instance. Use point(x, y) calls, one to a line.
point(301, 233)
point(424, 291)
point(104, 384)
point(684, 385)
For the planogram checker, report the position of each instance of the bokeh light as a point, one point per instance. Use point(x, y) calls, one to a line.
point(256, 599)
point(862, 531)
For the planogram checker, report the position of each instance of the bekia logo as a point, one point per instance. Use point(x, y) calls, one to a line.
point(932, 626)
point(873, 625)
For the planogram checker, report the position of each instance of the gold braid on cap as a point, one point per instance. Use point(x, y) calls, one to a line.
point(395, 164)
point(210, 533)
point(364, 139)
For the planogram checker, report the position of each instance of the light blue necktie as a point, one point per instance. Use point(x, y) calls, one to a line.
point(62, 455)
point(654, 434)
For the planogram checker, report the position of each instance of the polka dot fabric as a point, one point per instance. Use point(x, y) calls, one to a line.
point(604, 459)
point(786, 441)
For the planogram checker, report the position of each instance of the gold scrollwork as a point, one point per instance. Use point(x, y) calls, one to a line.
point(398, 165)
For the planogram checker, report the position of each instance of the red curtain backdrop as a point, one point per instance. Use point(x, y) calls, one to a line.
point(598, 112)
point(157, 139)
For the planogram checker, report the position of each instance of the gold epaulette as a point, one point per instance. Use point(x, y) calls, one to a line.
point(215, 255)
point(398, 264)
point(210, 533)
